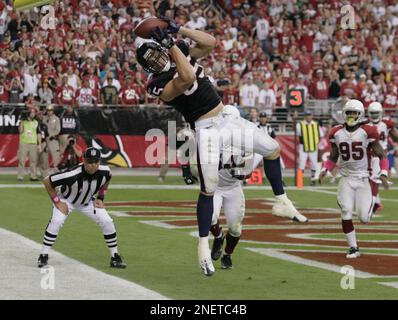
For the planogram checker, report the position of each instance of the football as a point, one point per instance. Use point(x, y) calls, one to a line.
point(145, 27)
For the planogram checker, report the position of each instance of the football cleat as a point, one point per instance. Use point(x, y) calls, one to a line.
point(205, 263)
point(284, 208)
point(353, 253)
point(226, 262)
point(216, 250)
point(42, 261)
point(117, 262)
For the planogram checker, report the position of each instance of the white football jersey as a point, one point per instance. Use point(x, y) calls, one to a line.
point(383, 127)
point(85, 96)
point(354, 153)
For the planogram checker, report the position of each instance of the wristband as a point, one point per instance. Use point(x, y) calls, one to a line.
point(56, 199)
point(102, 192)
point(329, 165)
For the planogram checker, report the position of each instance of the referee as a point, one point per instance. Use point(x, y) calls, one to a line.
point(77, 188)
point(309, 135)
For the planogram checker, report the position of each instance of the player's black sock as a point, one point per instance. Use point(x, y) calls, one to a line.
point(231, 243)
point(272, 169)
point(204, 213)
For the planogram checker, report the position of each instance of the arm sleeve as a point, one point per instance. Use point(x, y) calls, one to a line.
point(373, 134)
point(332, 133)
point(156, 85)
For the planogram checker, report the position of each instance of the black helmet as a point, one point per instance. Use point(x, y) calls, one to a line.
point(153, 57)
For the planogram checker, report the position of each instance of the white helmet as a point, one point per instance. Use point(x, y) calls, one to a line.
point(351, 106)
point(375, 112)
point(230, 110)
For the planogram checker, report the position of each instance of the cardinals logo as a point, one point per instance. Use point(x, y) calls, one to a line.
point(111, 148)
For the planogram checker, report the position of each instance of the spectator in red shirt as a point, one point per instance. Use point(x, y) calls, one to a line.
point(131, 93)
point(4, 89)
point(319, 88)
point(368, 95)
point(231, 95)
point(286, 68)
point(390, 99)
point(348, 88)
point(305, 61)
point(65, 93)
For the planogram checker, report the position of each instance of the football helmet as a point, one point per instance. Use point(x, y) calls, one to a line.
point(375, 112)
point(153, 57)
point(353, 112)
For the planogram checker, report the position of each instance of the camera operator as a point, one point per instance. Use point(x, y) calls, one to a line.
point(71, 155)
point(29, 143)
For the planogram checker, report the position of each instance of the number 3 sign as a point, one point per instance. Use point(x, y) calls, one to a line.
point(295, 99)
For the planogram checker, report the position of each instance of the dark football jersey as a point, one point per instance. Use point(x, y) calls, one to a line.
point(199, 99)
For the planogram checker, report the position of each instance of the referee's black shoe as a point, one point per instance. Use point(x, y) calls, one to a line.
point(42, 261)
point(117, 262)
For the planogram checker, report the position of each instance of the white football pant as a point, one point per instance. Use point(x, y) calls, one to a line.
point(233, 202)
point(355, 194)
point(224, 135)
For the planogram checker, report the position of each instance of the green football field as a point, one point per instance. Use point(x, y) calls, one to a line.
point(276, 259)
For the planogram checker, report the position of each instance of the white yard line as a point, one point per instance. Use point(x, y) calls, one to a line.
point(335, 193)
point(20, 278)
point(275, 253)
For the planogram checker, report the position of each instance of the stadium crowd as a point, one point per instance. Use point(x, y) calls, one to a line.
point(264, 48)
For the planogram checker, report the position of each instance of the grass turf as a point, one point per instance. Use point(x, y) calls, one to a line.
point(166, 261)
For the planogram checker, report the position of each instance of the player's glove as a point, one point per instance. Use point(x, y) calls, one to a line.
point(189, 178)
point(172, 26)
point(162, 37)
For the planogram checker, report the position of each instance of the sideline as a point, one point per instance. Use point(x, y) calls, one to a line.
point(20, 278)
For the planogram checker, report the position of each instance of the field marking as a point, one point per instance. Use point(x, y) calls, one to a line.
point(275, 253)
point(390, 284)
point(322, 247)
point(310, 236)
point(335, 193)
point(20, 278)
point(171, 187)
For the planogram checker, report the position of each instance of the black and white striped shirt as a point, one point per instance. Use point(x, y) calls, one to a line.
point(77, 186)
